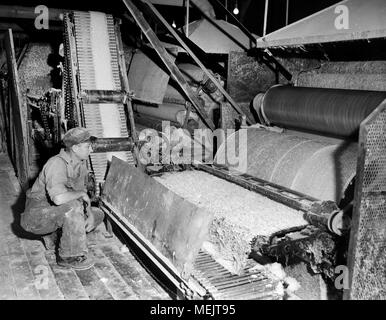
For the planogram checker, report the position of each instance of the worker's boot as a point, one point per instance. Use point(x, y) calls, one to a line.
point(50, 240)
point(78, 263)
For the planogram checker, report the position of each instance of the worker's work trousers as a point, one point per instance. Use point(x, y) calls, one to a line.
point(41, 218)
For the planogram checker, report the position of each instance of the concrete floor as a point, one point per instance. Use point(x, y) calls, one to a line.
point(29, 271)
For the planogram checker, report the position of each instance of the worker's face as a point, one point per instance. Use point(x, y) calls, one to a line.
point(82, 150)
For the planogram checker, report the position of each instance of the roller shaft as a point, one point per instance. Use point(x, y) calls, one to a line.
point(336, 112)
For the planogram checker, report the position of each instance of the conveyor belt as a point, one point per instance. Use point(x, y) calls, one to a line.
point(221, 284)
point(97, 51)
point(97, 56)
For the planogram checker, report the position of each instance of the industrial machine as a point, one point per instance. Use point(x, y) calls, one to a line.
point(304, 183)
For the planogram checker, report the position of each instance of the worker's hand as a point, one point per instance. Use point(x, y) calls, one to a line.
point(89, 224)
point(86, 199)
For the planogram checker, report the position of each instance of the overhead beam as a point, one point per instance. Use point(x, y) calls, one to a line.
point(178, 3)
point(21, 12)
point(56, 14)
point(193, 56)
point(4, 26)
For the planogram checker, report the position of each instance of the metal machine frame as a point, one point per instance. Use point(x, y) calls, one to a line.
point(367, 247)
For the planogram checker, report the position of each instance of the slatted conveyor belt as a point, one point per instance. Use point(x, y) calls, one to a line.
point(222, 284)
point(96, 56)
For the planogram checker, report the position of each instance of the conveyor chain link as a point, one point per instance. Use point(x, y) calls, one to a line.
point(222, 284)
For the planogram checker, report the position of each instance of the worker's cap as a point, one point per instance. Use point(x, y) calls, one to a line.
point(77, 135)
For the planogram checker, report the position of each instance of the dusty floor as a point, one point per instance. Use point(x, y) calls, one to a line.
point(29, 271)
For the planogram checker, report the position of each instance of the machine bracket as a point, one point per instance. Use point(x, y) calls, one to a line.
point(310, 244)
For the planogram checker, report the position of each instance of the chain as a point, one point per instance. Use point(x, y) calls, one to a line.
point(68, 84)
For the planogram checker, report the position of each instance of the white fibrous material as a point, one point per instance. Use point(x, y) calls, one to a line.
point(239, 214)
point(101, 53)
point(124, 249)
point(292, 284)
point(276, 269)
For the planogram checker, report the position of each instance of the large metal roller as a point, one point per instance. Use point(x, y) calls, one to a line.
point(318, 169)
point(336, 112)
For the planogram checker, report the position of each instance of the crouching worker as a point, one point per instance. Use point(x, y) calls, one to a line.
point(58, 201)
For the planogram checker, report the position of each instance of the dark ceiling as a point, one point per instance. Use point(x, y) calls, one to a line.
point(251, 11)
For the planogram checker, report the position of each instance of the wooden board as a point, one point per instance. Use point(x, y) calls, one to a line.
point(24, 278)
point(176, 227)
point(19, 123)
point(44, 278)
point(129, 269)
point(93, 285)
point(7, 288)
point(113, 281)
point(67, 280)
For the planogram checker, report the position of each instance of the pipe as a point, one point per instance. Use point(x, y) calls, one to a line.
point(286, 12)
point(102, 96)
point(112, 145)
point(335, 112)
point(265, 17)
point(331, 218)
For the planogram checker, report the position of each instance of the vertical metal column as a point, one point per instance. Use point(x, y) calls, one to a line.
point(187, 18)
point(265, 17)
point(286, 12)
